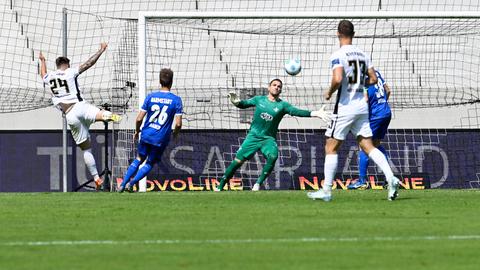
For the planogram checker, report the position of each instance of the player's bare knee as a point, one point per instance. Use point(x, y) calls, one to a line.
point(366, 144)
point(332, 145)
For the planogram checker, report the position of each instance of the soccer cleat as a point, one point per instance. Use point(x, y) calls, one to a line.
point(320, 195)
point(115, 118)
point(128, 188)
point(359, 184)
point(393, 186)
point(216, 189)
point(121, 189)
point(98, 184)
point(256, 187)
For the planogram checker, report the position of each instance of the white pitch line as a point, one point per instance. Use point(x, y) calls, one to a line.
point(240, 241)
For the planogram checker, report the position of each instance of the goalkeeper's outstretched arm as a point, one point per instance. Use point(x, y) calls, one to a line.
point(294, 111)
point(242, 104)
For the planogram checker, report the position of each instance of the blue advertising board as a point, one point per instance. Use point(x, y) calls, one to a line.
point(31, 160)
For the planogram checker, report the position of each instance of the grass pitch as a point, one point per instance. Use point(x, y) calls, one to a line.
point(429, 229)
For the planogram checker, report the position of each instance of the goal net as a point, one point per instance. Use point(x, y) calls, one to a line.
point(429, 62)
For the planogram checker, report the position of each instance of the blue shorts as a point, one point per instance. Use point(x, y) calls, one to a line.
point(379, 127)
point(152, 152)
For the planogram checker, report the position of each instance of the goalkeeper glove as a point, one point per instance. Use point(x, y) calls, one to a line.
point(325, 116)
point(232, 96)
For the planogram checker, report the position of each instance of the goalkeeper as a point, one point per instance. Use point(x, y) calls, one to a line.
point(269, 111)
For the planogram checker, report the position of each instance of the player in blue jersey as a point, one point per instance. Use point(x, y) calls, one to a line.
point(161, 109)
point(379, 116)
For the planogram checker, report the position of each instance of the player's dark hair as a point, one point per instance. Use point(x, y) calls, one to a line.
point(276, 79)
point(166, 77)
point(345, 28)
point(62, 60)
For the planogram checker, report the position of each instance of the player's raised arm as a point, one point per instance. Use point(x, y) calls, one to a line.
point(43, 65)
point(93, 59)
point(242, 104)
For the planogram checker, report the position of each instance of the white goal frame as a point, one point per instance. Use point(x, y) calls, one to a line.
point(143, 16)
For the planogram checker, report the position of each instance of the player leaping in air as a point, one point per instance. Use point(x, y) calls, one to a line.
point(161, 108)
point(379, 114)
point(68, 98)
point(269, 111)
point(350, 66)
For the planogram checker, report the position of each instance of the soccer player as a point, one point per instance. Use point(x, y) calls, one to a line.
point(67, 97)
point(161, 108)
point(379, 114)
point(350, 66)
point(269, 111)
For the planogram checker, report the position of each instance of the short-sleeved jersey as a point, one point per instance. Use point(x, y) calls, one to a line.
point(161, 108)
point(377, 99)
point(268, 114)
point(355, 64)
point(64, 86)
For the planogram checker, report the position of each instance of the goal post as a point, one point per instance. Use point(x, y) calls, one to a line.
point(212, 53)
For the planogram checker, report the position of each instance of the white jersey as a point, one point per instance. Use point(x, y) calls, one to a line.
point(64, 86)
point(355, 63)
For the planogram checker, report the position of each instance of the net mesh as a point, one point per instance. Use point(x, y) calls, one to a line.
point(211, 57)
point(430, 64)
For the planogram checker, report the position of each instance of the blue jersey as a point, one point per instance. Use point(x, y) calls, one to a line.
point(377, 99)
point(161, 108)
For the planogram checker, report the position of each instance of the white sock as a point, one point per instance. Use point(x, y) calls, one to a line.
point(329, 169)
point(90, 162)
point(106, 115)
point(379, 158)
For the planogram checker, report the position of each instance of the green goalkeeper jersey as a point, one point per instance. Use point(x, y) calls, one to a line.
point(268, 114)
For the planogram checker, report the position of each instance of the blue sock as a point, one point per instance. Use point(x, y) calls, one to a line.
point(363, 165)
point(380, 147)
point(132, 169)
point(142, 172)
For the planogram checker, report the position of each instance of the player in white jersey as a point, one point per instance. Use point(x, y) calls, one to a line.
point(67, 97)
point(350, 66)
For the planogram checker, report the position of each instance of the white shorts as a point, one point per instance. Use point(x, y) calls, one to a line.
point(340, 125)
point(79, 119)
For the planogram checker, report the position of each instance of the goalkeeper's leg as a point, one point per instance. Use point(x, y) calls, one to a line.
point(232, 168)
point(246, 151)
point(270, 151)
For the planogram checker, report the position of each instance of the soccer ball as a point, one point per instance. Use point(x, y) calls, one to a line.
point(292, 66)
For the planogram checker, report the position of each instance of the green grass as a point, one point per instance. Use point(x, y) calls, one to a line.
point(345, 230)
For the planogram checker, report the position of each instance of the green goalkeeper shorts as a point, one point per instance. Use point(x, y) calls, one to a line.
point(267, 145)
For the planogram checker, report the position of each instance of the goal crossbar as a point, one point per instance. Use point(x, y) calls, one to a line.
point(312, 15)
